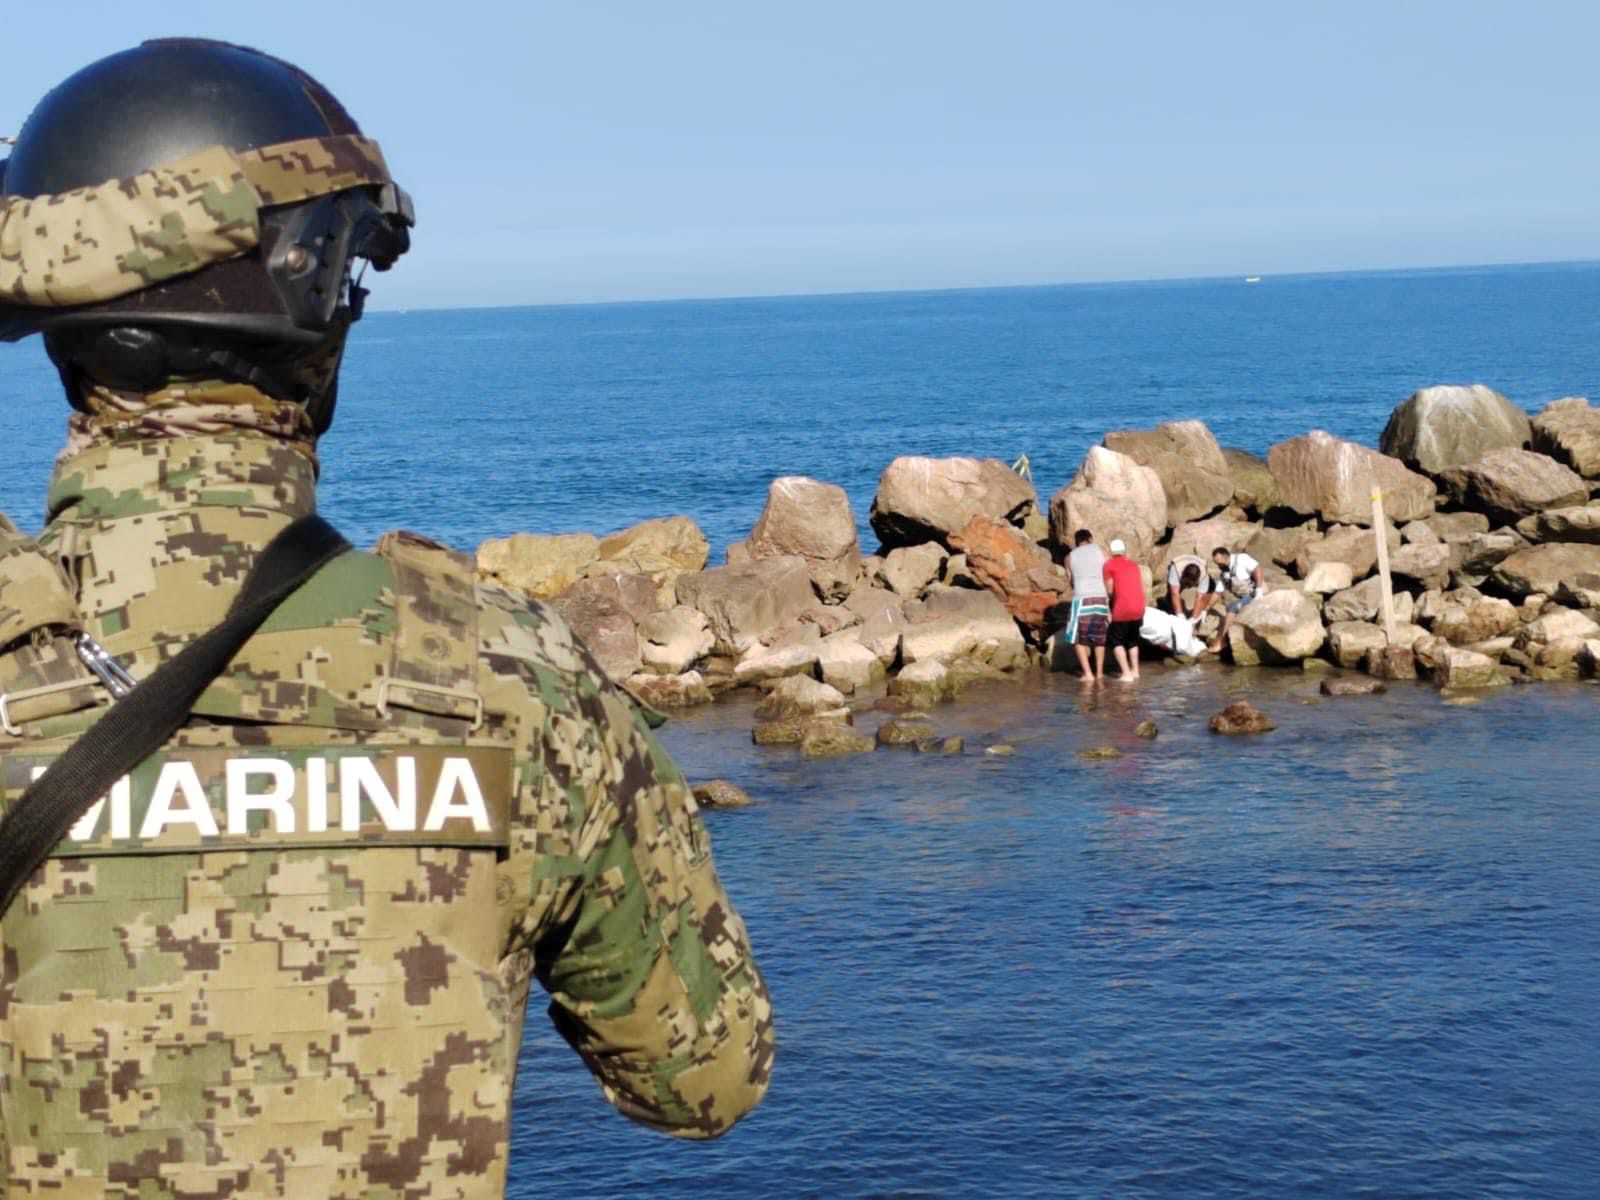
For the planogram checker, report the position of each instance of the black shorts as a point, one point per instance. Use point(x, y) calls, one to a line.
point(1124, 633)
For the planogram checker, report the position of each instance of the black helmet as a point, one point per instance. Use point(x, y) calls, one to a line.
point(275, 317)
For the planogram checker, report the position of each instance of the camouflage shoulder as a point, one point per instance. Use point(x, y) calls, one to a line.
point(33, 593)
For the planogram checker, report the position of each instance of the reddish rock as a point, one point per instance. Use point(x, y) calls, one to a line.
point(1005, 563)
point(1241, 717)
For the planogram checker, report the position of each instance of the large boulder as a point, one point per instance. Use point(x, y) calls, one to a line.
point(664, 546)
point(1350, 642)
point(908, 570)
point(637, 595)
point(1282, 546)
point(670, 691)
point(1543, 569)
point(1473, 621)
point(1354, 546)
point(1020, 575)
point(1578, 523)
point(882, 616)
point(925, 499)
point(1111, 496)
point(798, 696)
point(1474, 556)
point(1453, 526)
point(540, 564)
point(1202, 537)
point(1281, 627)
point(743, 602)
point(1326, 578)
point(962, 623)
point(606, 628)
point(661, 549)
point(674, 640)
point(846, 663)
point(1364, 602)
point(1320, 474)
point(813, 520)
point(1569, 430)
point(1254, 489)
point(1557, 624)
point(1447, 426)
point(1508, 484)
point(1457, 668)
point(1194, 473)
point(760, 662)
point(1421, 566)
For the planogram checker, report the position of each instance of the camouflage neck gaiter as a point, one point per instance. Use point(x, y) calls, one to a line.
point(108, 417)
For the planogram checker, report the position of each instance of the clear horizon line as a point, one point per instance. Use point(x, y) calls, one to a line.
point(1263, 276)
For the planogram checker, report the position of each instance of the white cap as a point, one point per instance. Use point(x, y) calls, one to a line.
point(1118, 546)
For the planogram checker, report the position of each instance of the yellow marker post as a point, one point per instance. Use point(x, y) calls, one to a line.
point(1380, 531)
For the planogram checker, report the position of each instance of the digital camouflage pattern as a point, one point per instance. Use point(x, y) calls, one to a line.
point(97, 243)
point(332, 1011)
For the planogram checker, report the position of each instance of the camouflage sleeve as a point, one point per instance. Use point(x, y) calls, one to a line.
point(651, 975)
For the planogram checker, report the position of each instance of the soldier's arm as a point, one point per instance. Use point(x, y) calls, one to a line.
point(650, 971)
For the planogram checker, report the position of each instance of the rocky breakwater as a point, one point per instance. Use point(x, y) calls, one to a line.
point(1492, 533)
point(957, 592)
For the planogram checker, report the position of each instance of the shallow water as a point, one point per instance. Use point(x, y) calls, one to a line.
point(1354, 956)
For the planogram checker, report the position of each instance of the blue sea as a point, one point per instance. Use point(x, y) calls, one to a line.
point(1358, 956)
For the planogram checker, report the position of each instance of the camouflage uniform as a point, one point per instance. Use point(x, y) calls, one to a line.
point(289, 955)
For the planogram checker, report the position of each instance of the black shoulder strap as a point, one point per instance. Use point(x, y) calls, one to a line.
point(153, 711)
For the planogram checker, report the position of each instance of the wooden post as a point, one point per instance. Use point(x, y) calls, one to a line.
point(1380, 530)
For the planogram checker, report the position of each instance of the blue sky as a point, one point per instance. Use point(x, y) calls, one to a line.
point(566, 152)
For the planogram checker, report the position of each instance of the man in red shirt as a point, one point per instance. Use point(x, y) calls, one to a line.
point(1126, 588)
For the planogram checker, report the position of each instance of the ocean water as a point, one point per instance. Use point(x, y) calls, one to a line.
point(1357, 956)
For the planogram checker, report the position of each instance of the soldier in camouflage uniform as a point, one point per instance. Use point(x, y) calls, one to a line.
point(289, 954)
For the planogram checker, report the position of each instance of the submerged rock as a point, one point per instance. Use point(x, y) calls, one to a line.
point(829, 739)
point(798, 696)
point(1146, 729)
point(1100, 752)
point(1348, 685)
point(904, 733)
point(1241, 717)
point(719, 793)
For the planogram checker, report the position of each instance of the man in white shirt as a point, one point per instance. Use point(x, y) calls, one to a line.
point(1241, 575)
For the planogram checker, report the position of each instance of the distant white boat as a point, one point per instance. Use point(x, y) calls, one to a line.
point(1252, 279)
